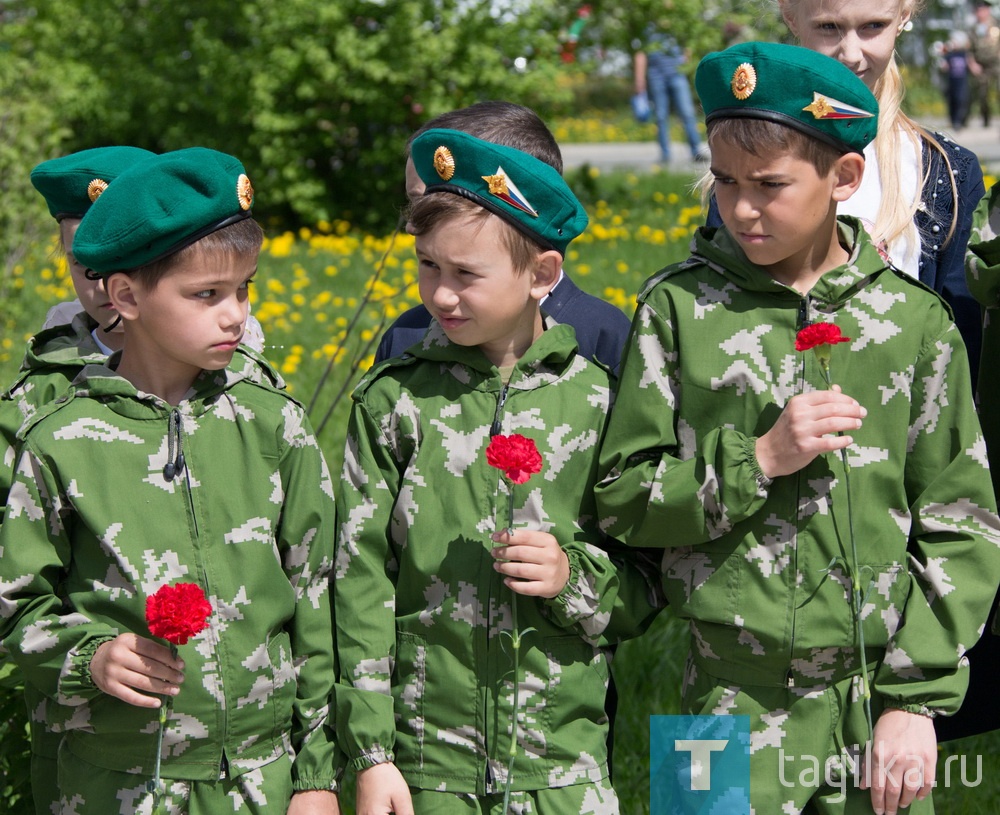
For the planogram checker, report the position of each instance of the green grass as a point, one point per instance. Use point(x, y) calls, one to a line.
point(310, 297)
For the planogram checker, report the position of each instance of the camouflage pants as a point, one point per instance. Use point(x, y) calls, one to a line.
point(90, 790)
point(798, 740)
point(578, 799)
point(44, 790)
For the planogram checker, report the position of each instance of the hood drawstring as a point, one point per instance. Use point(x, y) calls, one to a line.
point(174, 465)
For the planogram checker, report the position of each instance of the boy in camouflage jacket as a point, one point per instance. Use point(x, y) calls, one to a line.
point(726, 448)
point(147, 446)
point(426, 587)
point(69, 184)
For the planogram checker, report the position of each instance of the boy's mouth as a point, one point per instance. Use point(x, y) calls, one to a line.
point(451, 322)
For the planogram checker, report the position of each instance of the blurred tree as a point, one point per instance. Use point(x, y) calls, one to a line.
point(316, 98)
point(31, 131)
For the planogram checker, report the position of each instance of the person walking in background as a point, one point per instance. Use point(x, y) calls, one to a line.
point(657, 65)
point(955, 65)
point(984, 48)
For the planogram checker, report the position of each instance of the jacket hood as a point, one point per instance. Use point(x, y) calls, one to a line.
point(99, 379)
point(546, 360)
point(68, 344)
point(718, 250)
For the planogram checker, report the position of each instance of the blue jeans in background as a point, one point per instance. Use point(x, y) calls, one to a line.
point(668, 86)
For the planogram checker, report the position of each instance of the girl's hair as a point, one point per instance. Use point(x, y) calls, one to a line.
point(242, 239)
point(895, 215)
point(437, 209)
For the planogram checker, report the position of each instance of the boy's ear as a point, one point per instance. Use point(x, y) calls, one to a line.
point(122, 294)
point(847, 173)
point(545, 273)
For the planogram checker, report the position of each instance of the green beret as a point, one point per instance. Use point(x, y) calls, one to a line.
point(70, 184)
point(792, 86)
point(160, 206)
point(526, 192)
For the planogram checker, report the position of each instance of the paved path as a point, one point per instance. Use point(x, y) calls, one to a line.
point(984, 142)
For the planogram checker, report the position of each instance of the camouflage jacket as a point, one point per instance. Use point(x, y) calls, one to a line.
point(424, 620)
point(764, 572)
point(250, 518)
point(51, 361)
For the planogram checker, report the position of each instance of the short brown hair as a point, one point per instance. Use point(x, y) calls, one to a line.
point(503, 123)
point(242, 239)
point(438, 208)
point(760, 137)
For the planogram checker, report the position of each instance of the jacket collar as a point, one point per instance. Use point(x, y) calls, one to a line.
point(717, 249)
point(547, 357)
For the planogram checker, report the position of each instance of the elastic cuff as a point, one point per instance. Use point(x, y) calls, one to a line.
point(763, 482)
point(84, 656)
point(920, 710)
point(570, 594)
point(369, 758)
point(311, 784)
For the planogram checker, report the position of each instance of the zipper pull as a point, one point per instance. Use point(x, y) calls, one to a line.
point(496, 427)
point(803, 319)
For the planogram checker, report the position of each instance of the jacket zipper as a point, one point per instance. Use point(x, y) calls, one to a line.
point(497, 426)
point(495, 429)
point(802, 320)
point(176, 463)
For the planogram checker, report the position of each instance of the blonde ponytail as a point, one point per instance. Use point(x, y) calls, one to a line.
point(895, 215)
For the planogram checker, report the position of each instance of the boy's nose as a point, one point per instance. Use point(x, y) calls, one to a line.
point(444, 296)
point(745, 209)
point(234, 312)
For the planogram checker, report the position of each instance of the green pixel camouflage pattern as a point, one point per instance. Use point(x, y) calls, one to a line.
point(93, 790)
point(596, 798)
point(52, 360)
point(93, 527)
point(760, 572)
point(423, 617)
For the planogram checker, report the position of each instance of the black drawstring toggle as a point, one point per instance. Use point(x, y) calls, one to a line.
point(175, 464)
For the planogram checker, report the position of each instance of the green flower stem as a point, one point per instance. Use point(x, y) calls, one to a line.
point(516, 649)
point(858, 596)
point(154, 786)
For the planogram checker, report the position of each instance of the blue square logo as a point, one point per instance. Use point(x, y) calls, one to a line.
point(699, 764)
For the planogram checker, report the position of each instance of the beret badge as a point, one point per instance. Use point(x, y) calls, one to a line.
point(444, 163)
point(244, 192)
point(95, 188)
point(744, 81)
point(825, 107)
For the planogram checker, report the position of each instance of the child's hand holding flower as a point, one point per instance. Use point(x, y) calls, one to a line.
point(534, 564)
point(129, 663)
point(812, 423)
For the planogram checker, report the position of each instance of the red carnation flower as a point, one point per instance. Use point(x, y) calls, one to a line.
point(516, 455)
point(818, 334)
point(176, 613)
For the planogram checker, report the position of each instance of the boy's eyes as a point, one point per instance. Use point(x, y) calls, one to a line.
point(208, 294)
